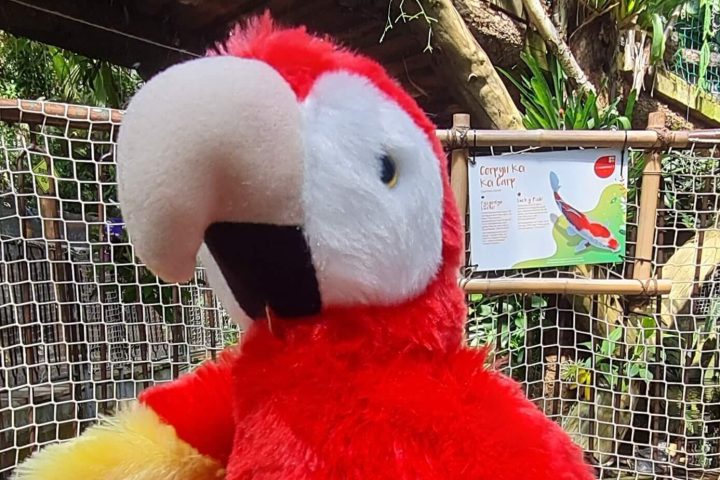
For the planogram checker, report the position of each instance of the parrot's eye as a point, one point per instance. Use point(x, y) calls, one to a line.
point(388, 171)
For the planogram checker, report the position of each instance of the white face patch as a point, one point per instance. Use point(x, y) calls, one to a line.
point(371, 243)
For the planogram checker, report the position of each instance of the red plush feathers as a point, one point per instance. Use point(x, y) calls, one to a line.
point(365, 392)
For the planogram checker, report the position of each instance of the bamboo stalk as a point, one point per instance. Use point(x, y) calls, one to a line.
point(568, 286)
point(58, 114)
point(459, 170)
point(647, 213)
point(576, 138)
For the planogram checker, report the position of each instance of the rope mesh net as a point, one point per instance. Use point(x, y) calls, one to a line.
point(697, 57)
point(636, 384)
point(85, 326)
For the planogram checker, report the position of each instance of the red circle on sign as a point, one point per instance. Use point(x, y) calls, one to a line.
point(605, 166)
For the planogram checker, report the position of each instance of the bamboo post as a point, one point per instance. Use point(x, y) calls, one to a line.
point(581, 138)
point(647, 214)
point(459, 170)
point(567, 286)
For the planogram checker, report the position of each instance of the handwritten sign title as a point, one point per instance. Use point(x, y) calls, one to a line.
point(500, 176)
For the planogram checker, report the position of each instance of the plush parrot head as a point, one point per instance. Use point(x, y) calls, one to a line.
point(311, 185)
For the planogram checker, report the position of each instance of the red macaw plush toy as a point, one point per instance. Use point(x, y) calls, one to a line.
point(315, 191)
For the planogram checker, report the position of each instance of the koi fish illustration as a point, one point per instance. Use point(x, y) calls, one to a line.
point(592, 233)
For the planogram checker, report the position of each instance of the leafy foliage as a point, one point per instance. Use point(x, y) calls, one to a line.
point(698, 30)
point(651, 16)
point(33, 70)
point(504, 323)
point(683, 176)
point(551, 102)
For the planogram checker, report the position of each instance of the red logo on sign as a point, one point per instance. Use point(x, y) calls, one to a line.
point(605, 166)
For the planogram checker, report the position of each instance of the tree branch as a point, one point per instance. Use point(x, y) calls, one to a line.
point(467, 67)
point(557, 45)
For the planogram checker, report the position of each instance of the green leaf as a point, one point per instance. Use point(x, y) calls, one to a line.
point(522, 88)
point(111, 91)
point(657, 49)
point(533, 112)
point(537, 73)
point(41, 171)
point(542, 93)
point(59, 65)
point(610, 379)
point(99, 89)
point(648, 322)
point(615, 334)
point(630, 105)
point(538, 302)
point(504, 335)
point(704, 63)
point(558, 76)
point(624, 123)
point(582, 120)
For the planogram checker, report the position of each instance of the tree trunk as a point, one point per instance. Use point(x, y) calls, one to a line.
point(502, 37)
point(593, 46)
point(468, 69)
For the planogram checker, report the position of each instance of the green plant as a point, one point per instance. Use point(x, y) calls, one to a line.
point(604, 355)
point(551, 103)
point(615, 366)
point(33, 70)
point(685, 175)
point(579, 375)
point(231, 336)
point(708, 8)
point(698, 29)
point(503, 323)
point(651, 16)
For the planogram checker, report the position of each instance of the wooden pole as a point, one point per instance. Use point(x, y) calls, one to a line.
point(647, 209)
point(575, 138)
point(459, 166)
point(568, 286)
point(58, 114)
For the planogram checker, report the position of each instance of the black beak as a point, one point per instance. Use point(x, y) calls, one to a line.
point(266, 266)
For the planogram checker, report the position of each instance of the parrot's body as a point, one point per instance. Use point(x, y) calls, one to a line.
point(331, 230)
point(307, 413)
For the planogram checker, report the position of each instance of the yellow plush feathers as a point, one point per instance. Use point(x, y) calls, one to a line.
point(134, 445)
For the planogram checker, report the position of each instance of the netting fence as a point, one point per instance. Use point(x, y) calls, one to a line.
point(696, 35)
point(634, 380)
point(84, 325)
